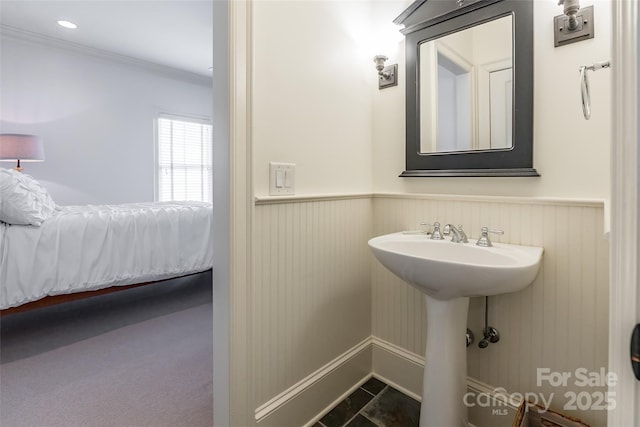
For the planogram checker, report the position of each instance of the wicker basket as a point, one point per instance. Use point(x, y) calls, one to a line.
point(531, 415)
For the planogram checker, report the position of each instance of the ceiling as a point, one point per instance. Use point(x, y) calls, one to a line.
point(173, 33)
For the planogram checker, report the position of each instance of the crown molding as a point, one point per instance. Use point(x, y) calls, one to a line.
point(7, 31)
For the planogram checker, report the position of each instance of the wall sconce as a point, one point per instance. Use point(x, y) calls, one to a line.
point(575, 25)
point(19, 147)
point(387, 76)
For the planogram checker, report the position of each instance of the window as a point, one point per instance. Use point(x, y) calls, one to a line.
point(184, 159)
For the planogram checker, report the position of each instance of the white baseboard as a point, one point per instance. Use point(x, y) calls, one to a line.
point(316, 394)
point(337, 401)
point(398, 367)
point(403, 370)
point(394, 365)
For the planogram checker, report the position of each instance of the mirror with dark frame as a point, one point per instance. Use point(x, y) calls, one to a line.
point(469, 93)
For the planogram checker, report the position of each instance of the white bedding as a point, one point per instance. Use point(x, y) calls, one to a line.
point(80, 248)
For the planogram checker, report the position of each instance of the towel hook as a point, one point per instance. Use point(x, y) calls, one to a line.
point(584, 85)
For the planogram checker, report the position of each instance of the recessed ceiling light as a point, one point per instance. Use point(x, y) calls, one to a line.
point(67, 24)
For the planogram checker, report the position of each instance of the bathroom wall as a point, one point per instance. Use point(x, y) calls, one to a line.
point(313, 74)
point(311, 304)
point(314, 101)
point(570, 153)
point(310, 295)
point(561, 321)
point(95, 115)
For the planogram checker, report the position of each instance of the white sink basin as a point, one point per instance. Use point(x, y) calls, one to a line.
point(448, 274)
point(445, 270)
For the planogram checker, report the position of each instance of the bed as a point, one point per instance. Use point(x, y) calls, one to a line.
point(77, 251)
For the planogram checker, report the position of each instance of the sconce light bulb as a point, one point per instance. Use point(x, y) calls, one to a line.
point(379, 60)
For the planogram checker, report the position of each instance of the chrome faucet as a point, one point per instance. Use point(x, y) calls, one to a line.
point(459, 236)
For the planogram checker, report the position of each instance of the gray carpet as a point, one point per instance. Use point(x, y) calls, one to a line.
point(141, 357)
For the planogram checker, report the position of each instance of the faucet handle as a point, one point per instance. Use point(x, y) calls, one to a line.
point(484, 237)
point(436, 234)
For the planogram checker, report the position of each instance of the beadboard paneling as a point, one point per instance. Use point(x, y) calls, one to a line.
point(560, 322)
point(311, 292)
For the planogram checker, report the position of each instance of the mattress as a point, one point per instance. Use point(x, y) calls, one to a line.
point(82, 248)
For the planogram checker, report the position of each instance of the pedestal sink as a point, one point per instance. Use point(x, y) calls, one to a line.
point(448, 274)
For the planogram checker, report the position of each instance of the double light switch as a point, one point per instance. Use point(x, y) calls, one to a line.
point(282, 178)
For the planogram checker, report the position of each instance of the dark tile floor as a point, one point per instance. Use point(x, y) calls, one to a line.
point(374, 404)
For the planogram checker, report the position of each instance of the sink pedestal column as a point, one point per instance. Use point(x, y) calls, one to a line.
point(445, 372)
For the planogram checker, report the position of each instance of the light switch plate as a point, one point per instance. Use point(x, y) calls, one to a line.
point(282, 179)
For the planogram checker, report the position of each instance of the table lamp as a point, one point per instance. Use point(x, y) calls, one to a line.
point(20, 147)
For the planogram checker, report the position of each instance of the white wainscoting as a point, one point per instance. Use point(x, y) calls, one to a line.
point(560, 322)
point(317, 293)
point(311, 300)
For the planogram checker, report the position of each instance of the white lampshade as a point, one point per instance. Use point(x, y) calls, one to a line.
point(21, 148)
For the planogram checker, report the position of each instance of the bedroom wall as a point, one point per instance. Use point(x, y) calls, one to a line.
point(95, 115)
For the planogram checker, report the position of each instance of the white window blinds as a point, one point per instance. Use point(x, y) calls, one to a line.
point(184, 159)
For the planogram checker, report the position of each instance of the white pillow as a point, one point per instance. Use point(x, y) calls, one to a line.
point(23, 200)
